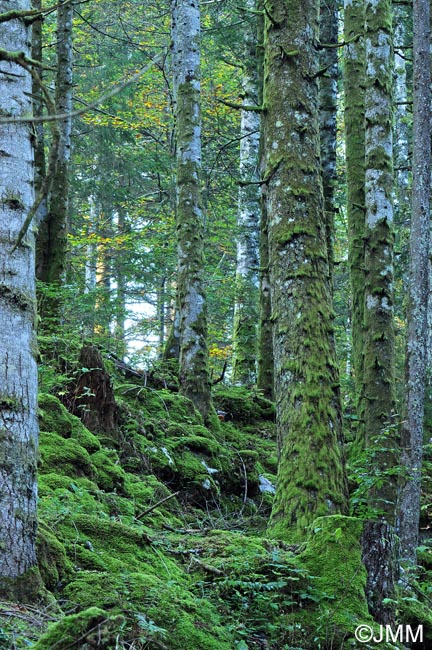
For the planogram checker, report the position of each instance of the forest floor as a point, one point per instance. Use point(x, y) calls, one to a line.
point(152, 528)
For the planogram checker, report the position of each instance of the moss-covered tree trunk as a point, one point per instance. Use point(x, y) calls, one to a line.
point(328, 99)
point(194, 376)
point(54, 228)
point(311, 477)
point(265, 377)
point(354, 71)
point(18, 372)
point(378, 309)
point(379, 383)
point(412, 427)
point(248, 217)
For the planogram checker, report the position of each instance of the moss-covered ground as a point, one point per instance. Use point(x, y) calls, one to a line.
point(154, 537)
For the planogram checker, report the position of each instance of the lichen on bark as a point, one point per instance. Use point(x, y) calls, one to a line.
point(379, 395)
point(194, 378)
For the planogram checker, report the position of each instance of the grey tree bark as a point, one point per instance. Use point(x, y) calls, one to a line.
point(194, 374)
point(381, 435)
point(248, 219)
point(412, 427)
point(18, 371)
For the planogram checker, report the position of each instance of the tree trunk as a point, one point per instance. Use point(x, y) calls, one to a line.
point(378, 314)
point(265, 378)
point(120, 342)
point(248, 216)
point(53, 265)
point(354, 71)
point(18, 372)
point(39, 147)
point(311, 477)
point(194, 374)
point(412, 426)
point(380, 429)
point(328, 113)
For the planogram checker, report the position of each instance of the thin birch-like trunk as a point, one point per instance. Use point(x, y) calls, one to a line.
point(265, 377)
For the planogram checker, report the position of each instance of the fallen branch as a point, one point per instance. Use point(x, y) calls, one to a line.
point(156, 505)
point(207, 567)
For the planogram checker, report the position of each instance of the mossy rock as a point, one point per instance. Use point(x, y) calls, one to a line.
point(183, 619)
point(145, 490)
point(120, 547)
point(65, 456)
point(413, 611)
point(162, 404)
point(51, 481)
point(54, 565)
point(53, 417)
point(91, 628)
point(110, 475)
point(243, 406)
point(335, 602)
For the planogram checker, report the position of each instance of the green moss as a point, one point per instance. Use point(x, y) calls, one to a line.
point(54, 566)
point(26, 588)
point(335, 602)
point(65, 456)
point(93, 626)
point(243, 406)
point(165, 404)
point(110, 475)
point(53, 417)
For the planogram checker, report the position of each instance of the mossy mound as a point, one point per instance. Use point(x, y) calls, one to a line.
point(54, 565)
point(335, 601)
point(54, 417)
point(243, 406)
point(91, 628)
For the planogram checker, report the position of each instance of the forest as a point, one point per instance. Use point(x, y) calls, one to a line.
point(215, 329)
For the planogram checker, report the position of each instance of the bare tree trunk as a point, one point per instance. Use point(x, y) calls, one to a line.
point(412, 426)
point(18, 372)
